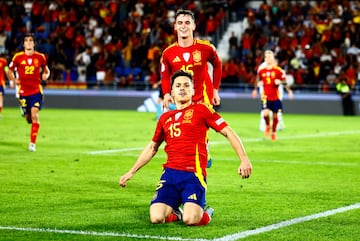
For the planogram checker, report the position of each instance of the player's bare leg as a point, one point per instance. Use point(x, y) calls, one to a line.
point(163, 213)
point(195, 215)
point(267, 122)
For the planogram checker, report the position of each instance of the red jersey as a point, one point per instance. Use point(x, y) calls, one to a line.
point(193, 59)
point(29, 69)
point(185, 134)
point(268, 77)
point(3, 64)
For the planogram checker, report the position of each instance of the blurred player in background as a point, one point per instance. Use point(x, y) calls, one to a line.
point(269, 79)
point(192, 56)
point(31, 69)
point(183, 181)
point(3, 73)
point(289, 82)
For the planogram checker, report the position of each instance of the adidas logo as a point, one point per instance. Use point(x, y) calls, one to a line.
point(176, 60)
point(192, 197)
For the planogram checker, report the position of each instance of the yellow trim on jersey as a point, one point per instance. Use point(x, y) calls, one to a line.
point(198, 170)
point(209, 106)
point(205, 42)
point(206, 97)
point(19, 53)
point(43, 55)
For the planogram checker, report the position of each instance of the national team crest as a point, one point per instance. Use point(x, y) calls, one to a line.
point(188, 114)
point(197, 56)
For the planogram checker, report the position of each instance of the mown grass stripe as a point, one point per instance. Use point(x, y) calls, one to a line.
point(231, 237)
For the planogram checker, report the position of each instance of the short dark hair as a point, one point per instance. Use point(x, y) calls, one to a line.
point(180, 73)
point(31, 35)
point(185, 12)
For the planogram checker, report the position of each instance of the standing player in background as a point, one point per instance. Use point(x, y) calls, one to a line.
point(289, 82)
point(270, 76)
point(183, 181)
point(192, 56)
point(3, 73)
point(31, 67)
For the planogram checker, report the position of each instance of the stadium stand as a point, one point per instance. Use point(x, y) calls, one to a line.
point(317, 42)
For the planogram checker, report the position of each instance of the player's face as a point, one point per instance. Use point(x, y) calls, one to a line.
point(182, 89)
point(269, 58)
point(29, 43)
point(184, 26)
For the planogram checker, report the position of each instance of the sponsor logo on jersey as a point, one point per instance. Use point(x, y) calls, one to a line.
point(192, 197)
point(176, 60)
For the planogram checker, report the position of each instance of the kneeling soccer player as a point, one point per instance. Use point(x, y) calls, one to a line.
point(183, 182)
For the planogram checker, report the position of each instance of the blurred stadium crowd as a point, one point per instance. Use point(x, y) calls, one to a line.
point(118, 43)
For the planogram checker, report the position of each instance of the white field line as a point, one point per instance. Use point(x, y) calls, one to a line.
point(293, 137)
point(231, 237)
point(245, 140)
point(101, 152)
point(240, 235)
point(93, 233)
point(310, 163)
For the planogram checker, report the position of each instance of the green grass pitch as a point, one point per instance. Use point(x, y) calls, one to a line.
point(68, 189)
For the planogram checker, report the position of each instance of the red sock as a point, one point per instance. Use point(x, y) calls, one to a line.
point(34, 132)
point(275, 122)
point(171, 218)
point(204, 220)
point(267, 120)
point(0, 109)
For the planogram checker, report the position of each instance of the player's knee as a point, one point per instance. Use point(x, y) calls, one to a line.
point(191, 219)
point(157, 218)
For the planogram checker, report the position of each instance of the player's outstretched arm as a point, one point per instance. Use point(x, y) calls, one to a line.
point(245, 167)
point(167, 100)
point(146, 155)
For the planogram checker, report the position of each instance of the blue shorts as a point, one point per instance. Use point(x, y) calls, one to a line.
point(179, 187)
point(274, 105)
point(27, 102)
point(2, 90)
